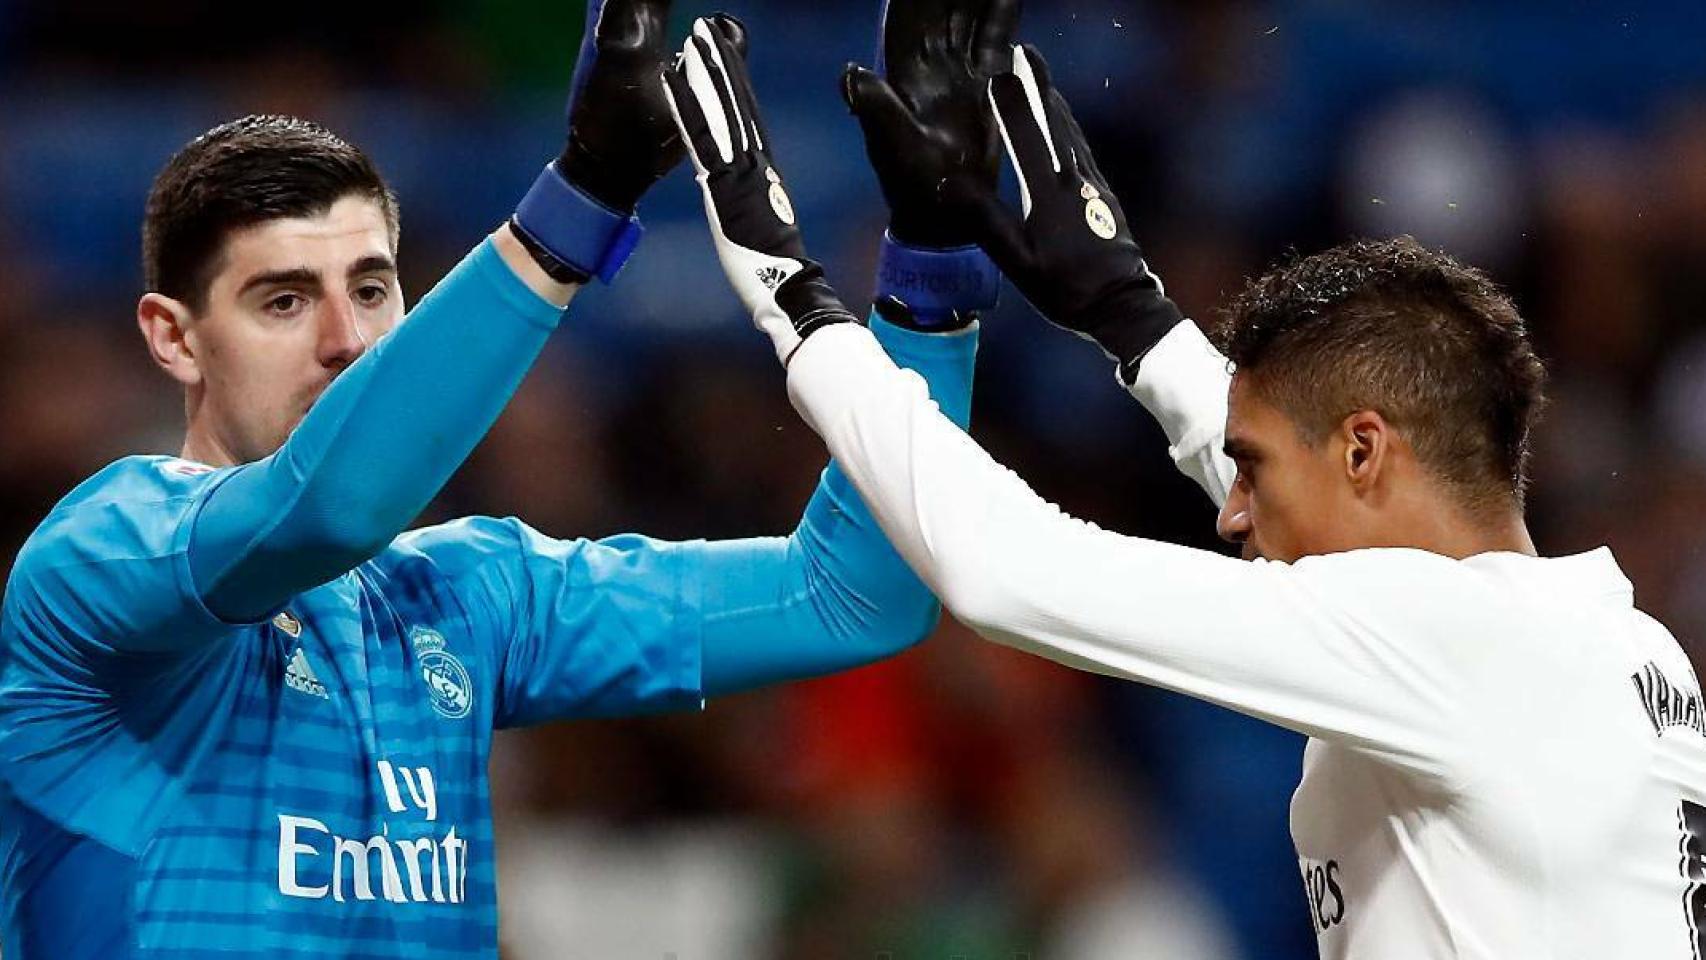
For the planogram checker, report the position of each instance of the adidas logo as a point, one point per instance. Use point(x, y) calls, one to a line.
point(299, 676)
point(771, 277)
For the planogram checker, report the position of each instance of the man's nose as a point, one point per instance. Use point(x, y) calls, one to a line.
point(1233, 524)
point(341, 340)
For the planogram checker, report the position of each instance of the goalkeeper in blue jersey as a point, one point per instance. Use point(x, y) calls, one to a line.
point(242, 713)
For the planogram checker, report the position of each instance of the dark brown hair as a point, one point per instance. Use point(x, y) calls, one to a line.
point(1431, 345)
point(239, 174)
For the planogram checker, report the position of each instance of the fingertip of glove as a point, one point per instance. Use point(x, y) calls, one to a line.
point(731, 29)
point(852, 79)
point(1038, 65)
point(846, 86)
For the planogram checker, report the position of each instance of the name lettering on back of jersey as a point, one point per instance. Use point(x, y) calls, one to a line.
point(1321, 888)
point(299, 676)
point(315, 864)
point(1667, 704)
point(447, 681)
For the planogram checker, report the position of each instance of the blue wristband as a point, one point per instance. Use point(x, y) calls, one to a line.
point(576, 229)
point(934, 284)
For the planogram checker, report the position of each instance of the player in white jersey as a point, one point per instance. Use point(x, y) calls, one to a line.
point(1507, 759)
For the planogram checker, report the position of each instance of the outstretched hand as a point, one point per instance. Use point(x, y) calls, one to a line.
point(577, 220)
point(621, 136)
point(752, 219)
point(923, 113)
point(1068, 249)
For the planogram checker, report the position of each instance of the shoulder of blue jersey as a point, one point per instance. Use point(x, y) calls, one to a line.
point(140, 479)
point(113, 506)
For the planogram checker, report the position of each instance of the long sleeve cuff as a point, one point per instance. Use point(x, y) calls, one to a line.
point(1183, 384)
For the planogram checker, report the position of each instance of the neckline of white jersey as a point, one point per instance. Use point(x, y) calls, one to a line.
point(1590, 572)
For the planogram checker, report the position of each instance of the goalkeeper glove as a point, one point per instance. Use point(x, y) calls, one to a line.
point(751, 216)
point(578, 219)
point(1070, 252)
point(926, 124)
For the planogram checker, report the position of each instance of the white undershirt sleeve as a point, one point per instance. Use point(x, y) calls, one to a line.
point(1272, 640)
point(1183, 383)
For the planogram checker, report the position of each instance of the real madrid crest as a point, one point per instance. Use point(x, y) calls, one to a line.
point(1097, 214)
point(447, 682)
point(287, 622)
point(779, 202)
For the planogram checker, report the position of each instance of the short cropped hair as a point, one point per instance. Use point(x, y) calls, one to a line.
point(237, 175)
point(1431, 345)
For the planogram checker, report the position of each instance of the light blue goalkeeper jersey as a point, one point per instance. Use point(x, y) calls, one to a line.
point(314, 785)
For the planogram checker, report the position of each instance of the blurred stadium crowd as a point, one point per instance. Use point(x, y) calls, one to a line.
point(963, 800)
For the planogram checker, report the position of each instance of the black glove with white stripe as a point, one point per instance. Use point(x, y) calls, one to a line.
point(1070, 252)
point(751, 216)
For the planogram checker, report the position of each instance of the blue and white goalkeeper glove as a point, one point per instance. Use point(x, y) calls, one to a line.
point(751, 217)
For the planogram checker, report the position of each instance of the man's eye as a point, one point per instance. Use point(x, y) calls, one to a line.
point(373, 294)
point(285, 303)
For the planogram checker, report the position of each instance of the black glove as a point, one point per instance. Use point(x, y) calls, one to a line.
point(1071, 253)
point(578, 220)
point(926, 122)
point(751, 216)
point(622, 138)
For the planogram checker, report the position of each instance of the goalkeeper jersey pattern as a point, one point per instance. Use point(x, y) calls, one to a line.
point(1507, 759)
point(314, 784)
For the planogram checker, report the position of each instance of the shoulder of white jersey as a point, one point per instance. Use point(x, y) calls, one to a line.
point(1395, 590)
point(1592, 577)
point(1404, 592)
point(1655, 642)
point(1381, 565)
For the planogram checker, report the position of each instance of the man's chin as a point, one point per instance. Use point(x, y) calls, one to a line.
point(276, 442)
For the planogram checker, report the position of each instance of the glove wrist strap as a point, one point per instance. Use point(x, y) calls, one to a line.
point(938, 286)
point(810, 302)
point(578, 236)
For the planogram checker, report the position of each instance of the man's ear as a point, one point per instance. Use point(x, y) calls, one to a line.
point(1368, 442)
point(164, 323)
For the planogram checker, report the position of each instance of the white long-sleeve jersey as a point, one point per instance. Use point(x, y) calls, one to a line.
point(1507, 759)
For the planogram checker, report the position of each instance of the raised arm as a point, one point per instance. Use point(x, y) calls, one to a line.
point(376, 446)
point(1328, 647)
point(835, 594)
point(934, 141)
point(633, 624)
point(392, 429)
point(1313, 647)
point(1068, 249)
point(630, 624)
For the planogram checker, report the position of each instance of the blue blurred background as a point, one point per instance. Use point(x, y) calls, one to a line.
point(963, 800)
